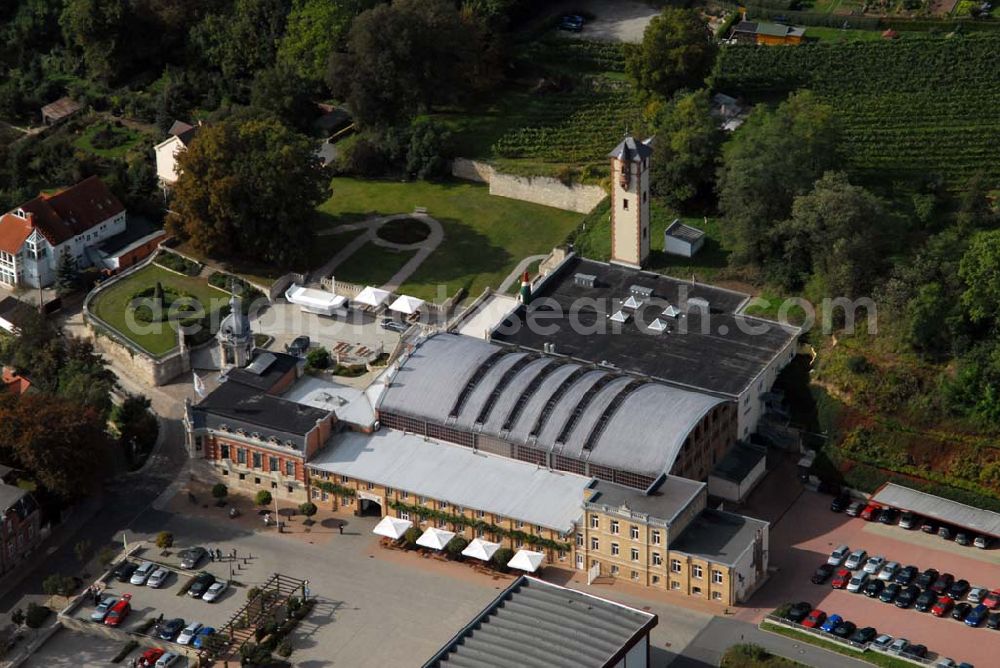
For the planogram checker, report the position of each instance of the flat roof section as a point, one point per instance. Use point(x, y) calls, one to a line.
point(717, 350)
point(982, 521)
point(679, 230)
point(458, 475)
point(718, 536)
point(665, 503)
point(536, 623)
point(739, 462)
point(349, 404)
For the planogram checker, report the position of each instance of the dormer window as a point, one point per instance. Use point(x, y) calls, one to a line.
point(20, 213)
point(255, 435)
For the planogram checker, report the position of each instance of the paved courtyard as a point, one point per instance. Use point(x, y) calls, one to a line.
point(72, 649)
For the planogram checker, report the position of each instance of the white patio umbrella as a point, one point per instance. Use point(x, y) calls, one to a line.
point(480, 549)
point(370, 296)
point(392, 527)
point(526, 560)
point(406, 305)
point(435, 538)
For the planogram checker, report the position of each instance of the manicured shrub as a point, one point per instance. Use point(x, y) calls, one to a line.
point(219, 491)
point(36, 616)
point(308, 508)
point(164, 539)
point(263, 498)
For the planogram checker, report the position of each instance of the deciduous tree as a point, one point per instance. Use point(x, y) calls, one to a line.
point(676, 52)
point(686, 150)
point(315, 30)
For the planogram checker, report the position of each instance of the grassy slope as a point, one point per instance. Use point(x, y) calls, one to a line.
point(112, 304)
point(873, 658)
point(126, 137)
point(485, 236)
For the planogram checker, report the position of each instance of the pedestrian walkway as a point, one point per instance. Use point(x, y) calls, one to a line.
point(521, 267)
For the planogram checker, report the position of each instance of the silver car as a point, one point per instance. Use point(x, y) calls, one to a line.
point(854, 560)
point(101, 611)
point(873, 565)
point(837, 557)
point(158, 578)
point(142, 573)
point(187, 635)
point(857, 583)
point(167, 660)
point(898, 645)
point(888, 571)
point(977, 594)
point(216, 590)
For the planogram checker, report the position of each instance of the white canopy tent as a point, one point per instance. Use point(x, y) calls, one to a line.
point(526, 560)
point(480, 549)
point(373, 297)
point(392, 527)
point(320, 302)
point(406, 305)
point(435, 538)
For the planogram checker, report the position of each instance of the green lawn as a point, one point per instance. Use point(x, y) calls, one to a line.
point(111, 305)
point(124, 140)
point(372, 265)
point(485, 236)
point(873, 658)
point(595, 242)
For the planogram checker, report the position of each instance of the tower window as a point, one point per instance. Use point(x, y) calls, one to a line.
point(644, 196)
point(625, 204)
point(645, 232)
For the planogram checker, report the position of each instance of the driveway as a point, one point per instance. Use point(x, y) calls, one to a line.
point(359, 330)
point(615, 20)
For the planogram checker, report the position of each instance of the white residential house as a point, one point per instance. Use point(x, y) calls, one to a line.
point(34, 236)
point(167, 151)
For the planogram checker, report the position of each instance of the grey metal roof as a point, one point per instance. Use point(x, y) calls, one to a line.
point(266, 369)
point(643, 431)
point(679, 230)
point(668, 500)
point(967, 517)
point(739, 462)
point(10, 495)
point(458, 475)
point(629, 149)
point(348, 403)
point(534, 623)
point(718, 536)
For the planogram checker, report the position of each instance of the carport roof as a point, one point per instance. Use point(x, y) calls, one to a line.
point(935, 507)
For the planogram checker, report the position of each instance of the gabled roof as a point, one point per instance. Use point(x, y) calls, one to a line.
point(631, 150)
point(184, 132)
point(70, 212)
point(14, 231)
point(61, 108)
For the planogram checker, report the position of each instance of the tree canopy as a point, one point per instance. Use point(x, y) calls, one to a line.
point(315, 30)
point(686, 150)
point(248, 189)
point(676, 52)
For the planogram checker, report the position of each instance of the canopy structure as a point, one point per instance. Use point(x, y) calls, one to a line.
point(435, 538)
point(526, 560)
point(311, 300)
point(392, 527)
point(480, 549)
point(373, 297)
point(406, 305)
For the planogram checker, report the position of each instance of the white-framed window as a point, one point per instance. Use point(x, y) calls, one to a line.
point(404, 495)
point(371, 486)
point(480, 514)
point(518, 524)
point(403, 515)
point(289, 467)
point(615, 549)
point(696, 590)
point(657, 559)
point(675, 566)
point(634, 554)
point(579, 540)
point(614, 527)
point(716, 595)
point(634, 575)
point(674, 584)
point(656, 537)
point(594, 543)
point(633, 532)
point(697, 572)
point(595, 522)
point(625, 203)
point(614, 570)
point(717, 576)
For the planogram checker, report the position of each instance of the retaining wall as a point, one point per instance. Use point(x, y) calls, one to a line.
point(537, 189)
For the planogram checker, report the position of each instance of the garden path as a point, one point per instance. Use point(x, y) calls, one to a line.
point(521, 267)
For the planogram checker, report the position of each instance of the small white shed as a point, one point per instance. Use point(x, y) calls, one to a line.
point(681, 239)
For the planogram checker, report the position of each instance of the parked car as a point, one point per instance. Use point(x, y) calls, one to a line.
point(123, 572)
point(882, 642)
point(946, 662)
point(906, 597)
point(158, 578)
point(864, 635)
point(855, 508)
point(200, 585)
point(151, 656)
point(201, 639)
point(914, 651)
point(855, 559)
point(977, 615)
point(841, 578)
point(167, 660)
point(101, 611)
point(993, 621)
point(869, 514)
point(822, 574)
point(905, 575)
point(874, 588)
point(838, 556)
point(888, 571)
point(888, 516)
point(170, 629)
point(925, 601)
point(298, 347)
point(798, 611)
point(814, 619)
point(393, 325)
point(958, 589)
point(927, 578)
point(992, 600)
point(191, 557)
point(961, 611)
point(898, 645)
point(845, 629)
point(831, 623)
point(215, 590)
point(977, 595)
point(840, 502)
point(945, 532)
point(963, 539)
point(908, 520)
point(928, 526)
point(188, 633)
point(890, 592)
point(142, 573)
point(119, 611)
point(944, 581)
point(857, 583)
point(983, 542)
point(873, 565)
point(942, 607)
point(571, 23)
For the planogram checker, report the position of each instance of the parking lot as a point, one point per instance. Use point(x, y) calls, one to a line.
point(72, 649)
point(804, 538)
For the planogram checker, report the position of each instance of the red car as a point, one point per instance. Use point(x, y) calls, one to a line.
point(942, 607)
point(841, 578)
point(151, 656)
point(870, 513)
point(120, 610)
point(992, 600)
point(814, 619)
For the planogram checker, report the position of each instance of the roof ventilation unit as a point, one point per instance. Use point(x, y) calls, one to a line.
point(620, 316)
point(584, 280)
point(671, 311)
point(658, 326)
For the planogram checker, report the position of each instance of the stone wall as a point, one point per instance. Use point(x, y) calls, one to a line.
point(538, 189)
point(156, 372)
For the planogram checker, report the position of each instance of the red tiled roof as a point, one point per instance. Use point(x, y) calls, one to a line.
point(14, 383)
point(73, 211)
point(14, 232)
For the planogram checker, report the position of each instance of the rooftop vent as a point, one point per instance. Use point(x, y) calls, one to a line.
point(671, 311)
point(620, 316)
point(633, 302)
point(584, 280)
point(658, 326)
point(641, 291)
